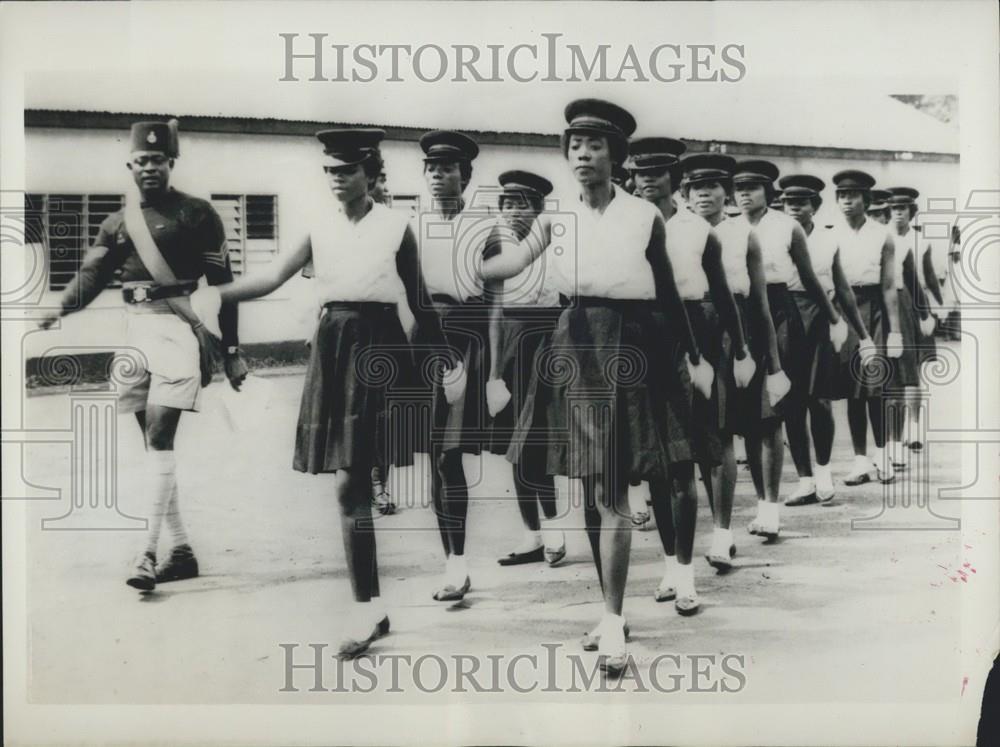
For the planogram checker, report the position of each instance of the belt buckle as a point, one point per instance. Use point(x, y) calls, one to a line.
point(140, 294)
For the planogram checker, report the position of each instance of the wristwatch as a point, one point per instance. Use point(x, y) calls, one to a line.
point(233, 350)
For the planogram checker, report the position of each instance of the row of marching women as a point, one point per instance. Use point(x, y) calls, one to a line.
point(629, 344)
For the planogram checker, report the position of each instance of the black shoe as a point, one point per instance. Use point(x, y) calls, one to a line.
point(803, 500)
point(351, 649)
point(143, 575)
point(519, 558)
point(181, 564)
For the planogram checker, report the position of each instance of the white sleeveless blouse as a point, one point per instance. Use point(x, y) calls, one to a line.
point(451, 253)
point(357, 261)
point(607, 257)
point(734, 235)
point(822, 249)
point(904, 245)
point(686, 237)
point(861, 251)
point(774, 233)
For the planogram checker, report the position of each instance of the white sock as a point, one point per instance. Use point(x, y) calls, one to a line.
point(552, 538)
point(376, 610)
point(173, 518)
point(531, 541)
point(685, 580)
point(637, 495)
point(769, 513)
point(722, 540)
point(163, 466)
point(862, 463)
point(670, 568)
point(878, 457)
point(761, 510)
point(360, 622)
point(806, 485)
point(611, 622)
point(824, 477)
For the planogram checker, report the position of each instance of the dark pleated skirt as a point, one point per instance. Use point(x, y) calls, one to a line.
point(863, 382)
point(709, 414)
point(610, 394)
point(524, 332)
point(822, 380)
point(465, 424)
point(793, 349)
point(359, 355)
point(905, 368)
point(745, 408)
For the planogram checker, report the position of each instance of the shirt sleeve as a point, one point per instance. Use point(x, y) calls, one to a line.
point(215, 248)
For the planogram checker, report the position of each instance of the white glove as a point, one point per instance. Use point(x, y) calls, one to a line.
point(866, 349)
point(743, 371)
point(206, 303)
point(702, 376)
point(927, 325)
point(838, 334)
point(778, 386)
point(497, 396)
point(894, 345)
point(454, 380)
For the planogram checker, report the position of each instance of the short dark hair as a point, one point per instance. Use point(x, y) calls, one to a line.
point(725, 182)
point(617, 145)
point(373, 165)
point(464, 169)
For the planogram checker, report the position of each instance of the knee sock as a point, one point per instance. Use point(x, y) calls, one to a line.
point(163, 466)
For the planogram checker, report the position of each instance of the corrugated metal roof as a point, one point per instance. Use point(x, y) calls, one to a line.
point(810, 116)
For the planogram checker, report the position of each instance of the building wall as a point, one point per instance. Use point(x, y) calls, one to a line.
point(64, 160)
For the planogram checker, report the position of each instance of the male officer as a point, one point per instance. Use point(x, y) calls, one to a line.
point(163, 245)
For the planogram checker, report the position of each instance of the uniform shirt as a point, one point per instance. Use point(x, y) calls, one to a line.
point(734, 236)
point(774, 233)
point(451, 253)
point(861, 251)
point(532, 286)
point(686, 237)
point(357, 261)
point(904, 245)
point(822, 249)
point(186, 229)
point(609, 257)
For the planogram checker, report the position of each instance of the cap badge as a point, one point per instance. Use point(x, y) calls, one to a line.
point(151, 137)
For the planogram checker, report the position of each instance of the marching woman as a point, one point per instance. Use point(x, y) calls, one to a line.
point(523, 313)
point(868, 257)
point(784, 252)
point(365, 258)
point(801, 198)
point(614, 400)
point(696, 257)
point(707, 186)
point(878, 210)
point(915, 317)
point(451, 251)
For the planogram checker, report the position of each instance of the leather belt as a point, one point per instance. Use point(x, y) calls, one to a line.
point(146, 293)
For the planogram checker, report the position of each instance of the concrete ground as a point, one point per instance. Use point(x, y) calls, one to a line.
point(829, 613)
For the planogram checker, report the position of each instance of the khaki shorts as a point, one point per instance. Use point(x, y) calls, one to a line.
point(162, 366)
